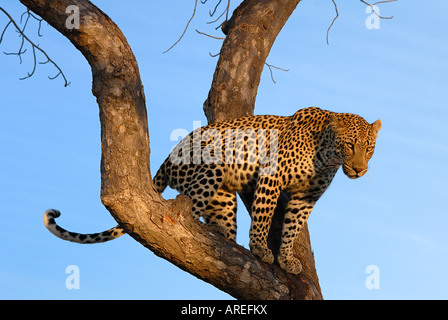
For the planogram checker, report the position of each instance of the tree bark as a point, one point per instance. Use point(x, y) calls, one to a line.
point(251, 32)
point(165, 227)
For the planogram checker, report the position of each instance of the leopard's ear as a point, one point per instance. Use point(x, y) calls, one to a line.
point(337, 125)
point(376, 126)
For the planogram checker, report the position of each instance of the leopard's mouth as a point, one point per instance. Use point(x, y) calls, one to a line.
point(353, 173)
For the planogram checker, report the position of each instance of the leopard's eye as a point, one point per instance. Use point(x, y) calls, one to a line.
point(350, 145)
point(369, 149)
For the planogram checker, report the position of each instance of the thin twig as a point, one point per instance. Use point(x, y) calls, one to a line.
point(186, 27)
point(270, 70)
point(34, 46)
point(34, 66)
point(226, 11)
point(332, 22)
point(4, 30)
point(30, 14)
point(370, 5)
point(378, 2)
point(18, 54)
point(385, 1)
point(216, 7)
point(211, 13)
point(227, 14)
point(210, 22)
point(205, 34)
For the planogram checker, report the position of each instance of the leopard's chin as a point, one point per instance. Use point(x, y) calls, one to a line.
point(352, 174)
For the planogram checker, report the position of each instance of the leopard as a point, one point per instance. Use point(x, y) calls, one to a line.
point(261, 155)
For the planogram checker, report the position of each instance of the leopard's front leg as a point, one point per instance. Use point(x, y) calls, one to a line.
point(263, 206)
point(297, 212)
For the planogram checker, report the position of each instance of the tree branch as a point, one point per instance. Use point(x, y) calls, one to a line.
point(251, 32)
point(127, 191)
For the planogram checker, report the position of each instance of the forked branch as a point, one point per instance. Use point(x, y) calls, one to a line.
point(34, 47)
point(372, 6)
point(211, 13)
point(270, 66)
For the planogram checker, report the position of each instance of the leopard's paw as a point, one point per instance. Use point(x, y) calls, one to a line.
point(264, 254)
point(290, 265)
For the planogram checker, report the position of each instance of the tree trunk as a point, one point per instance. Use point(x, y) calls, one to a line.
point(165, 227)
point(251, 32)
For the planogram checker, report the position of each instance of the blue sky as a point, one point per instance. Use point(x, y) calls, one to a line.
point(394, 218)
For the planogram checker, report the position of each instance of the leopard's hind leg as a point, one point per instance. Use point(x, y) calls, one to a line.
point(220, 213)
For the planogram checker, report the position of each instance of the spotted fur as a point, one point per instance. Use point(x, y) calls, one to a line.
point(59, 232)
point(262, 156)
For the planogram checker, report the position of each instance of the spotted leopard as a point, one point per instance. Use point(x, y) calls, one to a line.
point(262, 155)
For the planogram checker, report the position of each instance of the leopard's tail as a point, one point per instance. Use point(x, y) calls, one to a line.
point(161, 177)
point(160, 181)
point(59, 232)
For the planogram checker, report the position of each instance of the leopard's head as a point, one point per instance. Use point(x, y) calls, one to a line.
point(355, 141)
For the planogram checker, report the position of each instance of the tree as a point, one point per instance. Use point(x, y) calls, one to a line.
point(166, 227)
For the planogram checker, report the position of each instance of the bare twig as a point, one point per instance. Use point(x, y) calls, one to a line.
point(4, 30)
point(211, 13)
point(385, 1)
point(210, 22)
point(378, 2)
point(332, 22)
point(186, 27)
point(31, 15)
point(35, 47)
point(270, 70)
point(226, 11)
point(370, 5)
point(227, 15)
point(216, 7)
point(205, 34)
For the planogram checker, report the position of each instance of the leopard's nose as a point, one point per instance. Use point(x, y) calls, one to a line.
point(358, 170)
